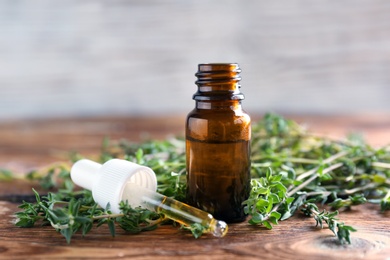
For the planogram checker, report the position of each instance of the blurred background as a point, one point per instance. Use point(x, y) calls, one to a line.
point(98, 58)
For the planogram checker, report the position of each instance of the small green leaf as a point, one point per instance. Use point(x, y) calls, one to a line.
point(196, 229)
point(111, 226)
point(261, 203)
point(325, 177)
point(385, 205)
point(286, 215)
point(25, 222)
point(67, 233)
point(290, 200)
point(256, 218)
point(268, 173)
point(83, 220)
point(274, 198)
point(276, 215)
point(267, 224)
point(276, 178)
point(262, 191)
point(380, 179)
point(358, 199)
point(37, 196)
point(139, 156)
point(269, 207)
point(86, 227)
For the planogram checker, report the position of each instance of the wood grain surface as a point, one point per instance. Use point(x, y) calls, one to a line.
point(33, 144)
point(296, 238)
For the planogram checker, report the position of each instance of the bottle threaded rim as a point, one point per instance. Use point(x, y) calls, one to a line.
point(218, 81)
point(218, 72)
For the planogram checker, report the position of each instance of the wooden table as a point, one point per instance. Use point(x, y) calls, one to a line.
point(32, 144)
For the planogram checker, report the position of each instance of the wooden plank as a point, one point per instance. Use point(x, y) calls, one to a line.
point(296, 238)
point(30, 144)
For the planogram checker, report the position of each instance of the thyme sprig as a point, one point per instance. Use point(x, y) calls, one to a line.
point(338, 173)
point(338, 228)
point(68, 214)
point(291, 169)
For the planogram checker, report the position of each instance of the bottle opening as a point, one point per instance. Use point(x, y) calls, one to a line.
point(218, 81)
point(218, 72)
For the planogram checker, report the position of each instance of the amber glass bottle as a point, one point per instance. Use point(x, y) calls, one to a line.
point(218, 144)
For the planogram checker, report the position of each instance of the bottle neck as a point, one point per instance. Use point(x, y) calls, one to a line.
point(218, 105)
point(218, 82)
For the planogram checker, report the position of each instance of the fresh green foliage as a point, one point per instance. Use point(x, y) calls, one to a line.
point(54, 176)
point(350, 201)
point(266, 194)
point(291, 170)
point(338, 173)
point(196, 229)
point(385, 202)
point(339, 229)
point(138, 219)
point(70, 212)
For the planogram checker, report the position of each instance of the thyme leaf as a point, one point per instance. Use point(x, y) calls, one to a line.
point(339, 229)
point(341, 174)
point(292, 170)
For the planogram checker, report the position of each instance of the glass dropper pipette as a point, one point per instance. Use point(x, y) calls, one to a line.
point(173, 209)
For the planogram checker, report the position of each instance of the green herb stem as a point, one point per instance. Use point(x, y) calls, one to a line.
point(283, 155)
point(358, 189)
point(107, 216)
point(312, 178)
point(326, 161)
point(381, 165)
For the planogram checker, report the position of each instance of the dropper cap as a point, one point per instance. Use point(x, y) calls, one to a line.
point(108, 181)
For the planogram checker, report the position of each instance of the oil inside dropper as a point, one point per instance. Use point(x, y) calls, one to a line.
point(173, 209)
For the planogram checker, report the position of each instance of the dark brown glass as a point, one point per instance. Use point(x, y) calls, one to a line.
point(218, 136)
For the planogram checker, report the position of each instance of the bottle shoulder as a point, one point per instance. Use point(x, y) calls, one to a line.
point(218, 126)
point(219, 115)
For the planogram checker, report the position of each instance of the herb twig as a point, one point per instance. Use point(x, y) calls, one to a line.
point(351, 168)
point(339, 229)
point(291, 169)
